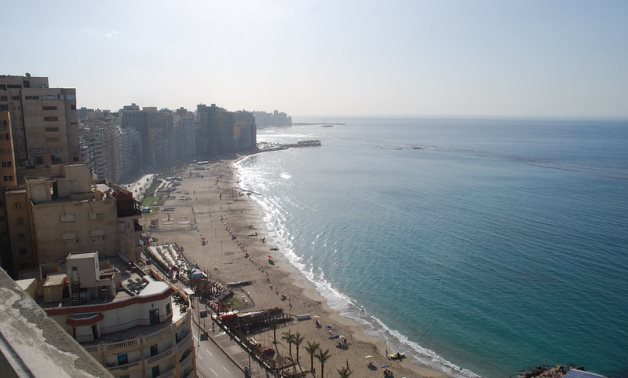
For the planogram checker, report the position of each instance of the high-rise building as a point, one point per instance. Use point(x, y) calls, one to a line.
point(44, 121)
point(244, 131)
point(157, 131)
point(184, 129)
point(208, 130)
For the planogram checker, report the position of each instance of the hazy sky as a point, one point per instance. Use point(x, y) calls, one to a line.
point(329, 57)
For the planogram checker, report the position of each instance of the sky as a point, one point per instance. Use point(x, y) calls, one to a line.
point(424, 58)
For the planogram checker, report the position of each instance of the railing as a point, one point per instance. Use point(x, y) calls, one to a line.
point(146, 340)
point(129, 366)
point(168, 374)
point(158, 334)
point(122, 345)
point(91, 348)
point(165, 353)
point(186, 361)
point(185, 343)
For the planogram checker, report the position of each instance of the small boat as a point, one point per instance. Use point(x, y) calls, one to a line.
point(372, 366)
point(274, 249)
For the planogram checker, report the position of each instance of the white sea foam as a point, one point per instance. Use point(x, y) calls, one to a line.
point(278, 234)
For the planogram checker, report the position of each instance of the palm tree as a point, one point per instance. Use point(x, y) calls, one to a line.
point(298, 339)
point(345, 372)
point(311, 348)
point(322, 357)
point(273, 325)
point(289, 338)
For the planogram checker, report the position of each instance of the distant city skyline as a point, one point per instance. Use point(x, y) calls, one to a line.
point(412, 58)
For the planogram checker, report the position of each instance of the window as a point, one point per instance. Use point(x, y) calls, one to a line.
point(19, 220)
point(21, 235)
point(123, 359)
point(49, 108)
point(23, 251)
point(7, 164)
point(70, 97)
point(52, 140)
point(4, 98)
point(96, 233)
point(4, 108)
point(18, 205)
point(69, 236)
point(51, 119)
point(154, 350)
point(155, 371)
point(168, 308)
point(6, 136)
point(15, 98)
point(32, 97)
point(96, 216)
point(49, 97)
point(52, 129)
point(73, 106)
point(67, 218)
point(10, 178)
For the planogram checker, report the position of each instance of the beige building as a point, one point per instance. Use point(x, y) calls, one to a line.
point(66, 212)
point(70, 213)
point(44, 121)
point(126, 319)
point(7, 162)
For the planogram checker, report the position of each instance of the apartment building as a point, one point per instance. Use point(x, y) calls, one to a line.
point(70, 213)
point(44, 121)
point(125, 318)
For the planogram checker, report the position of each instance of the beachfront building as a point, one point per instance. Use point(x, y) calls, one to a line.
point(157, 132)
point(67, 212)
point(276, 118)
point(38, 129)
point(207, 136)
point(244, 130)
point(44, 121)
point(113, 151)
point(125, 318)
point(220, 131)
point(184, 129)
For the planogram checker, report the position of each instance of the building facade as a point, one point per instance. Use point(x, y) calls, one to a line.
point(44, 121)
point(125, 318)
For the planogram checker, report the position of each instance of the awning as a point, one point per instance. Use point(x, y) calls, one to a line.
point(78, 320)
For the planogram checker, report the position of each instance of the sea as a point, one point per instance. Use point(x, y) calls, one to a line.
point(480, 247)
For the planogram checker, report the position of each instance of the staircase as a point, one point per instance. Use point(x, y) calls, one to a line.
point(75, 289)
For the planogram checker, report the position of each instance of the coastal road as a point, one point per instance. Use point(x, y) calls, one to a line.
point(211, 362)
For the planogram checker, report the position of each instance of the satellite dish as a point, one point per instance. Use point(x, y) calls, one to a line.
point(28, 74)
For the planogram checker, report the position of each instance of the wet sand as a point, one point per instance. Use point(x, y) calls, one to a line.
point(217, 210)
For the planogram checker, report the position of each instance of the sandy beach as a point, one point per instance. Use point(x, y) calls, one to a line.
point(209, 204)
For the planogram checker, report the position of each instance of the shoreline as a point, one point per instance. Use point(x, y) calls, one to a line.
point(228, 218)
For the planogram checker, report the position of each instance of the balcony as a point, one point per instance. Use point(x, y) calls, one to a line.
point(184, 363)
point(166, 353)
point(168, 374)
point(124, 369)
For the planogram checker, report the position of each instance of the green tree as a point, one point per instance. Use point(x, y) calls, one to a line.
point(345, 372)
point(298, 339)
point(322, 356)
point(311, 348)
point(289, 338)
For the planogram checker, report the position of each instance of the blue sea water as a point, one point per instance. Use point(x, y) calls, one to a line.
point(486, 245)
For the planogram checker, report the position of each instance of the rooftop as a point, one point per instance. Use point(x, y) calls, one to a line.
point(33, 345)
